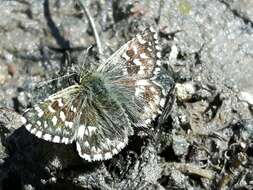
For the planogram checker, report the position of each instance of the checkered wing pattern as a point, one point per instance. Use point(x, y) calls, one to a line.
point(53, 119)
point(97, 114)
point(104, 132)
point(99, 126)
point(136, 69)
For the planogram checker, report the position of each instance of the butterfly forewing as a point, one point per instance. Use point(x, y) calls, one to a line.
point(54, 119)
point(139, 63)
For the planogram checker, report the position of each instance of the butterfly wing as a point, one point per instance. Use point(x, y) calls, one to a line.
point(54, 119)
point(98, 125)
point(103, 131)
point(136, 69)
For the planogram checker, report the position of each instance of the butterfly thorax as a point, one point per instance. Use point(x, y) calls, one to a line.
point(93, 84)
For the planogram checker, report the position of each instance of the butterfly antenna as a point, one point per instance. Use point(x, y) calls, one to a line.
point(84, 59)
point(43, 83)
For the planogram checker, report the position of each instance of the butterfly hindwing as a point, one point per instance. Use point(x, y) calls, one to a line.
point(103, 131)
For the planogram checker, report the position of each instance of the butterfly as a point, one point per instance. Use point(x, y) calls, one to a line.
point(99, 112)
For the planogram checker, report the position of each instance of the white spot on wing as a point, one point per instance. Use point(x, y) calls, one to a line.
point(158, 62)
point(40, 114)
point(97, 157)
point(125, 56)
point(139, 90)
point(62, 116)
point(135, 49)
point(39, 110)
point(153, 89)
point(162, 102)
point(140, 39)
point(107, 155)
point(81, 131)
point(108, 142)
point(146, 109)
point(154, 117)
point(84, 156)
point(137, 62)
point(115, 151)
point(33, 131)
point(39, 134)
point(93, 149)
point(158, 47)
point(45, 124)
point(142, 83)
point(147, 121)
point(141, 71)
point(47, 137)
point(56, 139)
point(99, 150)
point(28, 126)
point(143, 56)
point(120, 145)
point(173, 54)
point(86, 143)
point(157, 99)
point(72, 108)
point(65, 140)
point(51, 109)
point(92, 129)
point(23, 120)
point(157, 70)
point(125, 71)
point(69, 124)
point(103, 145)
point(60, 103)
point(152, 29)
point(54, 120)
point(156, 36)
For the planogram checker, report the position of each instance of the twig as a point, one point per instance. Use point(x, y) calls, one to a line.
point(92, 23)
point(189, 168)
point(161, 4)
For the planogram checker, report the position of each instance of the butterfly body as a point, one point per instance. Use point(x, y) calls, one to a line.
point(98, 113)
